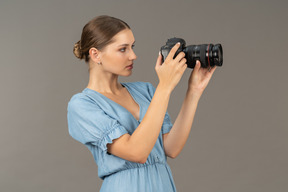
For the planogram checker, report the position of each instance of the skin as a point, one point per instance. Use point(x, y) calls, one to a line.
point(175, 140)
point(103, 78)
point(115, 57)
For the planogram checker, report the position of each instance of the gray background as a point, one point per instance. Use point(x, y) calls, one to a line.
point(238, 140)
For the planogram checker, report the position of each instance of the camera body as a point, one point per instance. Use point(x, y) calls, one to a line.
point(208, 54)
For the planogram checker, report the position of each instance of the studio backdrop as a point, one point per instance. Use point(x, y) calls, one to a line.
point(238, 141)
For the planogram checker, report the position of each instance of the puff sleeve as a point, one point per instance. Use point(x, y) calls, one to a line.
point(89, 124)
point(167, 125)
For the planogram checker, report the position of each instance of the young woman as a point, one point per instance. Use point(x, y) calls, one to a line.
point(126, 126)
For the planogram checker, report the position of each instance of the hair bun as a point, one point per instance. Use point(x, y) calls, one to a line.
point(77, 50)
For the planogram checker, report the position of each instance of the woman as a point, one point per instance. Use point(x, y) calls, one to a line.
point(126, 126)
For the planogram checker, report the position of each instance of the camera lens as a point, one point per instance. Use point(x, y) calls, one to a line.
point(208, 54)
point(217, 54)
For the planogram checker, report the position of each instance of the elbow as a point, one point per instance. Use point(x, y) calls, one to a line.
point(142, 158)
point(139, 158)
point(172, 155)
point(142, 161)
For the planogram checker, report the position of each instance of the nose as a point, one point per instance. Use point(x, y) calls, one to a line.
point(133, 55)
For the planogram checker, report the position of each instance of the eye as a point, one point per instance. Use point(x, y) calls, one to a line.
point(123, 49)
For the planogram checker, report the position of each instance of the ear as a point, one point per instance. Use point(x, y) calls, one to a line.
point(94, 55)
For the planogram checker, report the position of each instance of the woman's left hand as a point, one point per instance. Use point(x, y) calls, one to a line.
point(199, 79)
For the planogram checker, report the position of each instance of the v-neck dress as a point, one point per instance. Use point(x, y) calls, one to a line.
point(95, 120)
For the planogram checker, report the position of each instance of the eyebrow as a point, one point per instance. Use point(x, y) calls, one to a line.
point(126, 44)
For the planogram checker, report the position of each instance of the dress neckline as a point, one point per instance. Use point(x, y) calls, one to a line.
point(131, 94)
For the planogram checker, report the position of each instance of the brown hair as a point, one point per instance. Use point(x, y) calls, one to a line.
point(98, 33)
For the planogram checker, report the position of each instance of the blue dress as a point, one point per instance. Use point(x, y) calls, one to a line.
point(95, 120)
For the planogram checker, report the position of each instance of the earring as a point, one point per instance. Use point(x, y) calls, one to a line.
point(99, 63)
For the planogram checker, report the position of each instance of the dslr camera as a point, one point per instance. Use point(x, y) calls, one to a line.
point(208, 54)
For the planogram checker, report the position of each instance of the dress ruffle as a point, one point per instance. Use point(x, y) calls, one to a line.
point(114, 133)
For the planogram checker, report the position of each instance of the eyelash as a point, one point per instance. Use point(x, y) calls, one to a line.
point(123, 49)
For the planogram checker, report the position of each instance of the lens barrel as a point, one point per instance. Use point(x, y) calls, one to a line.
point(208, 54)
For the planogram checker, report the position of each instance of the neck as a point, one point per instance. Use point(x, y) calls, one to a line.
point(104, 82)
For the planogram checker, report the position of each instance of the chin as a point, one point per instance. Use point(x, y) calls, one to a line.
point(127, 74)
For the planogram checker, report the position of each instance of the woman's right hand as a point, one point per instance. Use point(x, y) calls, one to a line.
point(171, 71)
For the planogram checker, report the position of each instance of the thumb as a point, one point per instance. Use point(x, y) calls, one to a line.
point(197, 65)
point(159, 60)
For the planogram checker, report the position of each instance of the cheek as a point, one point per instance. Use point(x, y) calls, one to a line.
point(114, 62)
point(116, 59)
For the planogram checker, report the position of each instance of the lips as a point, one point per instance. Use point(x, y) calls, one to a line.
point(130, 65)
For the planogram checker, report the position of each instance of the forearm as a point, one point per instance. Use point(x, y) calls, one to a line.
point(145, 136)
point(178, 135)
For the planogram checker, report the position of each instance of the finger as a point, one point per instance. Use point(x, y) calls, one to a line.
point(212, 69)
point(159, 60)
point(173, 51)
point(183, 61)
point(180, 56)
point(183, 68)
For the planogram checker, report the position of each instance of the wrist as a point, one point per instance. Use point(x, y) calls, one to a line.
point(194, 93)
point(164, 89)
